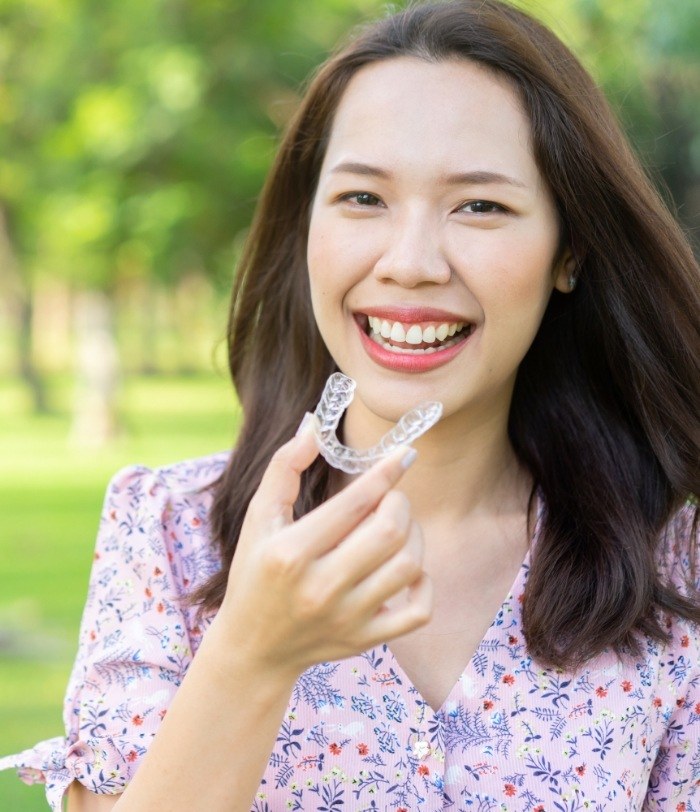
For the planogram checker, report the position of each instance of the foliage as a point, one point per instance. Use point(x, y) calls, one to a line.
point(646, 56)
point(134, 136)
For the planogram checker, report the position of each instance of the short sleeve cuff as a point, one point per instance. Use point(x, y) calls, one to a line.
point(99, 766)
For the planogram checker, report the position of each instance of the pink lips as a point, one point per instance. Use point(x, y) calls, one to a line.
point(408, 362)
point(412, 315)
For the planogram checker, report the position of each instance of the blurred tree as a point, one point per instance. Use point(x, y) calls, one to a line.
point(646, 56)
point(134, 137)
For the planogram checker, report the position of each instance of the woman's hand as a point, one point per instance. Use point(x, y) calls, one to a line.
point(315, 590)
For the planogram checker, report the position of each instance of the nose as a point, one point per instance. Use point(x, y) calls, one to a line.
point(412, 254)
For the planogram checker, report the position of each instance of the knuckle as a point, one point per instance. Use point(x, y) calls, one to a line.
point(256, 501)
point(417, 534)
point(376, 483)
point(418, 546)
point(312, 603)
point(281, 560)
point(361, 504)
point(384, 478)
point(422, 614)
point(388, 528)
point(374, 493)
point(406, 566)
point(397, 500)
point(423, 605)
point(280, 458)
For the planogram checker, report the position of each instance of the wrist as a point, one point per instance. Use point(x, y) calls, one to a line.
point(235, 655)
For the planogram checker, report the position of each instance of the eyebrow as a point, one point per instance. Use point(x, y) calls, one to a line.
point(474, 177)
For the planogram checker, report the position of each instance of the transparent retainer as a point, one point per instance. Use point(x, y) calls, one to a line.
point(337, 395)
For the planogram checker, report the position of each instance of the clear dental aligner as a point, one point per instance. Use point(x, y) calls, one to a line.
point(336, 397)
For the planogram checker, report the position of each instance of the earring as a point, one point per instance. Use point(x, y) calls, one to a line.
point(572, 281)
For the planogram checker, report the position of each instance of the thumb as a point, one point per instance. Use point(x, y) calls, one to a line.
point(279, 487)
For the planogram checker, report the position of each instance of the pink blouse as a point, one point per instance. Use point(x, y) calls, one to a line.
point(357, 735)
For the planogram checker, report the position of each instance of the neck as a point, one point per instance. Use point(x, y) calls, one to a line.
point(466, 468)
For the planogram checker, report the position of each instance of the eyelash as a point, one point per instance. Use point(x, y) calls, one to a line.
point(495, 207)
point(351, 197)
point(348, 198)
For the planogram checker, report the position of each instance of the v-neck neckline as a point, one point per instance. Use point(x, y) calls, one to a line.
point(468, 670)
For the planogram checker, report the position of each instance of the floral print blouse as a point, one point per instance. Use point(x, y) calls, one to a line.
point(357, 735)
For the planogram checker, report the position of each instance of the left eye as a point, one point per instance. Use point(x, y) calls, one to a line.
point(481, 207)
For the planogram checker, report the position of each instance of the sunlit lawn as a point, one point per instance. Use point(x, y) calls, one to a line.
point(50, 500)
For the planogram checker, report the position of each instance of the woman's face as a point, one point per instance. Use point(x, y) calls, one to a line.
point(432, 239)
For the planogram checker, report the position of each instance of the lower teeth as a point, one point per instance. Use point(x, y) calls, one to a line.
point(379, 339)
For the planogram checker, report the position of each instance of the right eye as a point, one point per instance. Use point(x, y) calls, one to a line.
point(361, 199)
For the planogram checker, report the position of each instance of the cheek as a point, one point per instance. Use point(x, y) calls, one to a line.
point(317, 259)
point(336, 257)
point(515, 289)
point(314, 249)
point(329, 271)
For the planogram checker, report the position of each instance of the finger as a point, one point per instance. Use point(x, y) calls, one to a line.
point(279, 487)
point(322, 528)
point(416, 612)
point(393, 576)
point(375, 540)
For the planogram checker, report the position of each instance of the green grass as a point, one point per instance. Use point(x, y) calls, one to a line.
point(50, 500)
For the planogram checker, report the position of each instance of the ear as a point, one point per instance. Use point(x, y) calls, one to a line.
point(565, 276)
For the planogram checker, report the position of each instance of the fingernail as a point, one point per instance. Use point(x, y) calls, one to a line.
point(409, 457)
point(306, 419)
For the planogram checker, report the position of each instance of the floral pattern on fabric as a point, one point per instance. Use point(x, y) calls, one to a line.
point(357, 735)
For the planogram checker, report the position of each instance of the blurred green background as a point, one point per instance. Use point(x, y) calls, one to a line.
point(134, 138)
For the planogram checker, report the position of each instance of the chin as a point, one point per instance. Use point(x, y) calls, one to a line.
point(388, 408)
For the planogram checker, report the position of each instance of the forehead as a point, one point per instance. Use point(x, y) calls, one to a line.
point(408, 113)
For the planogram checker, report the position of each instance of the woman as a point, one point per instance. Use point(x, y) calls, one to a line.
point(453, 216)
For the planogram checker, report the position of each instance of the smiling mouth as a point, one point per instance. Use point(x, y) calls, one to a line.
point(415, 339)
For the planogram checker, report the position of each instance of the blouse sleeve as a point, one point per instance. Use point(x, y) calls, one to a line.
point(133, 651)
point(674, 784)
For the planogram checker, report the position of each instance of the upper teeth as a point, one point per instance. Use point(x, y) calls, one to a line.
point(413, 333)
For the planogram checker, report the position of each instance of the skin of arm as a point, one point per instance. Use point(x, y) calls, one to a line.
point(299, 593)
point(82, 800)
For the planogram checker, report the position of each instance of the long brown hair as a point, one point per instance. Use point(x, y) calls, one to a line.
point(605, 407)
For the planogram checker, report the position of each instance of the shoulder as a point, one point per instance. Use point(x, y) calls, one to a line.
point(180, 478)
point(143, 491)
point(161, 516)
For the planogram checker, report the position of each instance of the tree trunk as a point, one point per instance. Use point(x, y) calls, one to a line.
point(19, 298)
point(97, 372)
